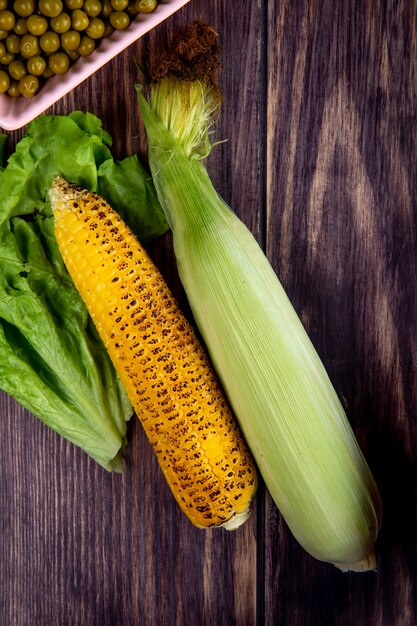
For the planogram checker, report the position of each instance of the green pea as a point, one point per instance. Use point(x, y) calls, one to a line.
point(92, 7)
point(20, 28)
point(48, 73)
point(2, 49)
point(36, 65)
point(74, 4)
point(119, 20)
point(70, 40)
point(132, 10)
point(37, 25)
point(28, 86)
point(4, 81)
point(59, 63)
point(3, 5)
point(13, 43)
point(106, 9)
point(86, 47)
point(13, 90)
point(50, 8)
point(24, 7)
point(108, 29)
point(73, 55)
point(7, 20)
point(3, 34)
point(49, 41)
point(29, 46)
point(79, 20)
point(119, 5)
point(95, 28)
point(146, 6)
point(17, 69)
point(7, 58)
point(61, 23)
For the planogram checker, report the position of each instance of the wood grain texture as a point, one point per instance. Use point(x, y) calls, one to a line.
point(319, 114)
point(341, 213)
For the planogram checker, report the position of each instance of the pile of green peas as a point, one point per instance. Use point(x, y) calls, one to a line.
point(40, 38)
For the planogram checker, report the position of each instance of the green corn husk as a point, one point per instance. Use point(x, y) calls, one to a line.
point(277, 385)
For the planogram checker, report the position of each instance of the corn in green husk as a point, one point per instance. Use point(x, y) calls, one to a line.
point(281, 394)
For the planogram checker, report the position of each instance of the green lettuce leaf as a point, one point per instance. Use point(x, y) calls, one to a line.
point(51, 358)
point(3, 142)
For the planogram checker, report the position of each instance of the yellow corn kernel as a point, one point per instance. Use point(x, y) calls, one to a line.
point(166, 372)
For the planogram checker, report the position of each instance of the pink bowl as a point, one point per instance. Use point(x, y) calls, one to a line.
point(16, 112)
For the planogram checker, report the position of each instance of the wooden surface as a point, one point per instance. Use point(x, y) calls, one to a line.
point(320, 114)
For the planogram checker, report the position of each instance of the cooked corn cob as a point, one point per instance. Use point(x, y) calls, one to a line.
point(155, 351)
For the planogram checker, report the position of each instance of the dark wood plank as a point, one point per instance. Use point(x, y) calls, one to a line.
point(342, 237)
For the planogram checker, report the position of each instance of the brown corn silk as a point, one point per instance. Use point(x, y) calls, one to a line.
point(165, 370)
point(193, 55)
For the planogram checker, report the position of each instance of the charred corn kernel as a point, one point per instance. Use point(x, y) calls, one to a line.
point(155, 351)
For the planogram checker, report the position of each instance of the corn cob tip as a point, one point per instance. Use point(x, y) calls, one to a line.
point(366, 565)
point(62, 191)
point(237, 520)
